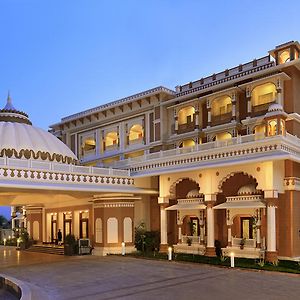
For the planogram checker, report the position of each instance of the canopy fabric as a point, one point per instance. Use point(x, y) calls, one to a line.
point(240, 204)
point(186, 206)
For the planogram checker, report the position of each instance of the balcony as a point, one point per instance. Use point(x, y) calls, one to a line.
point(221, 119)
point(217, 153)
point(261, 109)
point(187, 127)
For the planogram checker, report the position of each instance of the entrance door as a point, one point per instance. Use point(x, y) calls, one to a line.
point(67, 227)
point(53, 230)
point(247, 227)
point(194, 226)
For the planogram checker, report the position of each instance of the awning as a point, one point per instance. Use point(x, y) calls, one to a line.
point(240, 204)
point(186, 206)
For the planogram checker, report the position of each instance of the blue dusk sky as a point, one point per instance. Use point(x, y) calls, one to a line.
point(59, 57)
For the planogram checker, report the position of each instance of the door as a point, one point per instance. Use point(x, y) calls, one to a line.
point(247, 227)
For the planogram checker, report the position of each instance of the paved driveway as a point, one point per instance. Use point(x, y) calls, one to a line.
point(112, 277)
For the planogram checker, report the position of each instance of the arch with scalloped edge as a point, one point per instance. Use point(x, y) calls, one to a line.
point(224, 179)
point(174, 184)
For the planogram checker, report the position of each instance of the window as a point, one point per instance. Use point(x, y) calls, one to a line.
point(186, 115)
point(136, 132)
point(111, 139)
point(284, 56)
point(89, 144)
point(272, 127)
point(263, 94)
point(223, 136)
point(187, 143)
point(112, 230)
point(221, 106)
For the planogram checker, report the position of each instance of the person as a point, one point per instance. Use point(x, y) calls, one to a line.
point(59, 237)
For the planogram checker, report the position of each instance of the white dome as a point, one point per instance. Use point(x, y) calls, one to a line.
point(193, 194)
point(275, 107)
point(25, 141)
point(247, 190)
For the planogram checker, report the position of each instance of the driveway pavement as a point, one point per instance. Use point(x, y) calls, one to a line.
point(114, 277)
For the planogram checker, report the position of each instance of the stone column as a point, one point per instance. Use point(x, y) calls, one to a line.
point(13, 221)
point(271, 254)
point(229, 239)
point(210, 247)
point(179, 233)
point(208, 113)
point(233, 99)
point(163, 201)
point(279, 92)
point(201, 223)
point(176, 120)
point(258, 229)
point(249, 104)
point(197, 116)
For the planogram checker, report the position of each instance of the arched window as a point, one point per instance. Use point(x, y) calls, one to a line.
point(112, 230)
point(221, 106)
point(136, 132)
point(284, 56)
point(186, 115)
point(264, 93)
point(272, 127)
point(127, 224)
point(98, 231)
point(223, 136)
point(36, 230)
point(111, 139)
point(187, 143)
point(89, 144)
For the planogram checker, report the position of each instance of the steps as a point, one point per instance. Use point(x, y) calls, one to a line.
point(46, 249)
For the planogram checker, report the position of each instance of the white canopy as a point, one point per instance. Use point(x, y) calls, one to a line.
point(240, 204)
point(186, 206)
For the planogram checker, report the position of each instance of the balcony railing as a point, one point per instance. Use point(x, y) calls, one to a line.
point(261, 109)
point(187, 127)
point(221, 119)
point(193, 239)
point(249, 243)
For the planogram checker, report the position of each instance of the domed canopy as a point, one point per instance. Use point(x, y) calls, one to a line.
point(247, 190)
point(19, 139)
point(193, 194)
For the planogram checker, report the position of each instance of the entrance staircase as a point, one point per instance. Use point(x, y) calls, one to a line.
point(46, 249)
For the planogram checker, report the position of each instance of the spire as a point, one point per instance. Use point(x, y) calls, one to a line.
point(9, 105)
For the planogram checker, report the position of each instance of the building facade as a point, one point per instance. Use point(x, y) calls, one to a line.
point(216, 159)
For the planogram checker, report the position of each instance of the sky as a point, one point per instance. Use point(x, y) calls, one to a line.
point(61, 57)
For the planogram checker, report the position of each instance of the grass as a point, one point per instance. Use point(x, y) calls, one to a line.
point(245, 263)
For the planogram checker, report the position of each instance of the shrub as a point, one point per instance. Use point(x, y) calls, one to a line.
point(146, 241)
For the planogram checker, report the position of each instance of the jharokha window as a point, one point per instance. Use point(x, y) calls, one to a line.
point(221, 106)
point(284, 56)
point(263, 95)
point(89, 144)
point(111, 139)
point(136, 133)
point(186, 115)
point(187, 143)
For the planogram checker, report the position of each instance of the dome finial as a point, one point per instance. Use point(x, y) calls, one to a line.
point(9, 105)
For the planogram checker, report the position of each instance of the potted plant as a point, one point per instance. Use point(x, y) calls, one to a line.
point(189, 241)
point(242, 243)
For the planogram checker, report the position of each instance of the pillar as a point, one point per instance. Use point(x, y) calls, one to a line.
point(210, 247)
point(271, 253)
point(258, 229)
point(201, 227)
point(163, 201)
point(208, 113)
point(229, 238)
point(180, 233)
point(13, 221)
point(233, 115)
point(176, 120)
point(249, 105)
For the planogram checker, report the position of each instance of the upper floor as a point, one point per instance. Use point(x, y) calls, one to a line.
point(220, 107)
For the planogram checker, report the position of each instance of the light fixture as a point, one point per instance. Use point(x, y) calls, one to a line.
point(232, 260)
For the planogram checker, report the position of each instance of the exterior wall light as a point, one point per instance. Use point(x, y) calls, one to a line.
point(232, 260)
point(4, 242)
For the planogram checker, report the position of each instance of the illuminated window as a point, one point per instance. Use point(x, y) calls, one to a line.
point(111, 139)
point(260, 129)
point(284, 56)
point(221, 106)
point(186, 115)
point(223, 136)
point(89, 144)
point(262, 94)
point(187, 143)
point(272, 127)
point(136, 132)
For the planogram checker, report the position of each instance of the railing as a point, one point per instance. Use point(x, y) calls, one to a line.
point(193, 239)
point(221, 119)
point(56, 167)
point(249, 243)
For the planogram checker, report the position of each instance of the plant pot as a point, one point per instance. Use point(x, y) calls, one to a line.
point(241, 247)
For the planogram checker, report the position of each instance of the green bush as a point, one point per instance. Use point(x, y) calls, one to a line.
point(70, 245)
point(146, 241)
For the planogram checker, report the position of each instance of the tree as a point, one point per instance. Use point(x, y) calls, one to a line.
point(3, 222)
